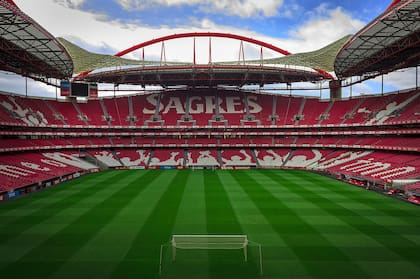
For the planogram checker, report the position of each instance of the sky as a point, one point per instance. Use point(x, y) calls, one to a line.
point(109, 26)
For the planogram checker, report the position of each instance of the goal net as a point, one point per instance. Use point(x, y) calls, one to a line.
point(209, 242)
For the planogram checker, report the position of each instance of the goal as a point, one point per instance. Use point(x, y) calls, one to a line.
point(209, 242)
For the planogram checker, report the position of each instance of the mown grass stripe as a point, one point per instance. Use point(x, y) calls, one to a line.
point(278, 260)
point(24, 202)
point(221, 218)
point(401, 246)
point(369, 199)
point(311, 247)
point(141, 260)
point(19, 225)
point(191, 218)
point(50, 255)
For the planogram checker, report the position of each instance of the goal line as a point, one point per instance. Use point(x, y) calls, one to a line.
point(209, 242)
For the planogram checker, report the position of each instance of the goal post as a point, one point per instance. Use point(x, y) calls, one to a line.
point(210, 242)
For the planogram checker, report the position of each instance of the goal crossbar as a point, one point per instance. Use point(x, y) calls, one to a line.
point(209, 242)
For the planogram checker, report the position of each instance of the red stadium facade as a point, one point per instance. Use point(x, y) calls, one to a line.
point(369, 141)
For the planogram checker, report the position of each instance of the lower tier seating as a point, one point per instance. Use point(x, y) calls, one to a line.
point(20, 169)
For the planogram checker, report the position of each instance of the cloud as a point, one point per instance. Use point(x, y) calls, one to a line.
point(324, 26)
point(241, 8)
point(405, 78)
point(16, 84)
point(73, 4)
point(112, 36)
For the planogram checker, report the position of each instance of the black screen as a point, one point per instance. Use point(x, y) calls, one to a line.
point(79, 89)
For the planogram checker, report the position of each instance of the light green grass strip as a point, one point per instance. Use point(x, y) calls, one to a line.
point(191, 217)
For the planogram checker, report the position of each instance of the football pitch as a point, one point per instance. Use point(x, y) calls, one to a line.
point(111, 225)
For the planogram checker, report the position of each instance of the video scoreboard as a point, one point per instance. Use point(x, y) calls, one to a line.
point(78, 89)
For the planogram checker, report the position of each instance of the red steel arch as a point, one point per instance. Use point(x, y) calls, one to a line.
point(203, 34)
point(206, 34)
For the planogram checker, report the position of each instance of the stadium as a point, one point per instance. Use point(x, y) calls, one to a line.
point(215, 169)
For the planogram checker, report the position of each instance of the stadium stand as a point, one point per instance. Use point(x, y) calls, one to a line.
point(238, 158)
point(202, 158)
point(133, 157)
point(117, 113)
point(92, 112)
point(364, 139)
point(311, 116)
point(167, 158)
point(22, 169)
point(165, 109)
point(272, 158)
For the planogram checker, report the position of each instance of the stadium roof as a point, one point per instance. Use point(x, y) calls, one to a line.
point(388, 43)
point(310, 66)
point(84, 60)
point(203, 75)
point(28, 49)
point(323, 58)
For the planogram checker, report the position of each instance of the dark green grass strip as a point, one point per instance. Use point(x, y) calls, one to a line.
point(398, 244)
point(298, 234)
point(50, 255)
point(221, 219)
point(142, 259)
point(21, 224)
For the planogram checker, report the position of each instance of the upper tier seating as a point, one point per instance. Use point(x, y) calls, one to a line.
point(405, 109)
point(20, 111)
point(117, 110)
point(199, 108)
point(310, 115)
point(339, 111)
point(234, 142)
point(202, 142)
point(93, 112)
point(262, 141)
point(169, 142)
point(232, 107)
point(367, 108)
point(288, 109)
point(68, 112)
point(262, 107)
point(121, 141)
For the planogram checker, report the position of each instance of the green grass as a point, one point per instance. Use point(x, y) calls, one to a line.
point(111, 225)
